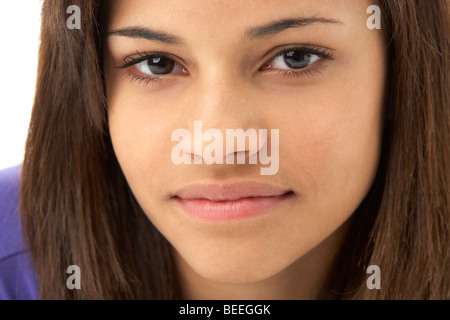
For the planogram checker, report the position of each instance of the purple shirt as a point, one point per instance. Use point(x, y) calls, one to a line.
point(17, 278)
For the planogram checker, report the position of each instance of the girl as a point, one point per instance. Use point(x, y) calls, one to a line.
point(356, 115)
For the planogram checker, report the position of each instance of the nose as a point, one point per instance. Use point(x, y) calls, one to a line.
point(227, 102)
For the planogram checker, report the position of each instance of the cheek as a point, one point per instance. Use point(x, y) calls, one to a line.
point(132, 124)
point(138, 136)
point(337, 149)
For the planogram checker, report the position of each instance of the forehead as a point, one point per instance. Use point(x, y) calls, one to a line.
point(214, 17)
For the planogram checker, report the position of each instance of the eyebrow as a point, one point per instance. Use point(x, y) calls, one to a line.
point(259, 32)
point(282, 25)
point(145, 33)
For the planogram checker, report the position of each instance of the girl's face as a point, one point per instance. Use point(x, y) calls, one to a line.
point(311, 74)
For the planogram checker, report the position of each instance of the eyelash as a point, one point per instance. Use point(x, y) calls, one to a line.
point(145, 80)
point(323, 53)
point(308, 72)
point(133, 76)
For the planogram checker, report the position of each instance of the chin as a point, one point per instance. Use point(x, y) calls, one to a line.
point(237, 270)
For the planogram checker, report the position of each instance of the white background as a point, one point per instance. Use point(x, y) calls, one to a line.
point(19, 38)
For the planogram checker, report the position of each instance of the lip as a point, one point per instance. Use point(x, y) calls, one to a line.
point(226, 202)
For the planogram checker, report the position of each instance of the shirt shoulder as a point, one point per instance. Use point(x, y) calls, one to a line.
point(10, 227)
point(17, 278)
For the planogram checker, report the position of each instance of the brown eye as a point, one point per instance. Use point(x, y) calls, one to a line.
point(157, 65)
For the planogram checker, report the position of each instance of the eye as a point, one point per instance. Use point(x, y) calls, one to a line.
point(300, 61)
point(294, 59)
point(158, 65)
point(145, 68)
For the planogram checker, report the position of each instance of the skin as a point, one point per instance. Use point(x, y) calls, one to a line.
point(330, 123)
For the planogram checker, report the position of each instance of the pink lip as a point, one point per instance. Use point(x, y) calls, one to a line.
point(224, 202)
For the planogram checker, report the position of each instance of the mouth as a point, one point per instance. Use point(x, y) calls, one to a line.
point(226, 202)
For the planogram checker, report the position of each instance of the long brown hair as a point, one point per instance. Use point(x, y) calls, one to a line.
point(78, 209)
